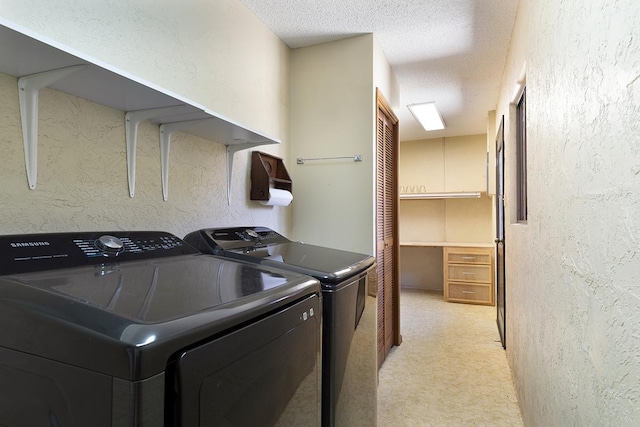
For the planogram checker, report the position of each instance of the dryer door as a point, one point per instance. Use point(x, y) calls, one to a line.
point(266, 373)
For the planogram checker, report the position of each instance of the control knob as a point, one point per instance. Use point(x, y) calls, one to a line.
point(251, 234)
point(110, 245)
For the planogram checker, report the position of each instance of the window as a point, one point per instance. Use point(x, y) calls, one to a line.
point(521, 153)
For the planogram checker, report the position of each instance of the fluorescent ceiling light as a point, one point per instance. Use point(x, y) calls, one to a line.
point(428, 116)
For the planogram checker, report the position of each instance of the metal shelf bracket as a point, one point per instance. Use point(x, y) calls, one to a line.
point(132, 119)
point(28, 95)
point(166, 129)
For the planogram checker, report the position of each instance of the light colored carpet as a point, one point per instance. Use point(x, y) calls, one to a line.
point(450, 369)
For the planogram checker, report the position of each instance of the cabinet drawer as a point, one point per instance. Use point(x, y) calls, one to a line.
point(469, 273)
point(469, 292)
point(468, 258)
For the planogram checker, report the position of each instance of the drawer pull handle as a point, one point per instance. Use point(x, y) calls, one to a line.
point(469, 258)
point(468, 274)
point(468, 292)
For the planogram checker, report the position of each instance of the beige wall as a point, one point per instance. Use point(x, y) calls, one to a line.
point(333, 114)
point(215, 53)
point(446, 220)
point(572, 271)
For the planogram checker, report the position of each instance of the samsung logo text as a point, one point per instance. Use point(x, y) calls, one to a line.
point(29, 244)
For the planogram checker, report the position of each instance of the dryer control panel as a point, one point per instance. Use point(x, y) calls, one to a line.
point(235, 238)
point(36, 252)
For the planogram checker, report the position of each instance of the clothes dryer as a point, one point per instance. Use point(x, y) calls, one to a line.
point(349, 368)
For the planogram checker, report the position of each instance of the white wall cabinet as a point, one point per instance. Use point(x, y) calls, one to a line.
point(465, 164)
point(421, 167)
point(443, 166)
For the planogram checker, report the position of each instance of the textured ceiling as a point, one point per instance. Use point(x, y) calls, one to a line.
point(448, 51)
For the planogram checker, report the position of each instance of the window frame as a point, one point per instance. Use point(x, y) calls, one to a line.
point(521, 158)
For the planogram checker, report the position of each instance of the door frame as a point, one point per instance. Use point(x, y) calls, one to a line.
point(501, 315)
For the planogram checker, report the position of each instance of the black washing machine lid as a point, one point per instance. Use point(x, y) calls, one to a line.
point(127, 317)
point(264, 246)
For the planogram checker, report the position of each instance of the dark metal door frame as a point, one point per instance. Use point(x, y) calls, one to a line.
point(500, 228)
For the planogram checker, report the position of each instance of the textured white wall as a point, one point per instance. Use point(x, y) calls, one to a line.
point(215, 53)
point(573, 272)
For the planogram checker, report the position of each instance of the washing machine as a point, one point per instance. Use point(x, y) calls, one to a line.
point(140, 329)
point(349, 367)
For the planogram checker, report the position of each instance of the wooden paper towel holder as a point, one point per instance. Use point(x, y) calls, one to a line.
point(267, 171)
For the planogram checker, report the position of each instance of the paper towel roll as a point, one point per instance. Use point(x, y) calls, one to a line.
point(278, 197)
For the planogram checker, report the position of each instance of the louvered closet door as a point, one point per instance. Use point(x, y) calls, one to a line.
point(380, 247)
point(386, 230)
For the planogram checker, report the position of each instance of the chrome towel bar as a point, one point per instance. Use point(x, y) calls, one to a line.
point(356, 158)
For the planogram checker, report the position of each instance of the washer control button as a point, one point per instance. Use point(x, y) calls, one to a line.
point(251, 234)
point(110, 245)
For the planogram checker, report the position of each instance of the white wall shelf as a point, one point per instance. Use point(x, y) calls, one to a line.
point(34, 58)
point(427, 196)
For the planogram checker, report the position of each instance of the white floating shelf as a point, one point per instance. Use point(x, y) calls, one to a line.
point(30, 56)
point(427, 196)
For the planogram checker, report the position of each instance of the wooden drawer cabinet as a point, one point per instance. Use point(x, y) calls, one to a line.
point(466, 256)
point(464, 292)
point(468, 275)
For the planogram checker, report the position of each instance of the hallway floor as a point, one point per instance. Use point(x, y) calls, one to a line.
point(450, 369)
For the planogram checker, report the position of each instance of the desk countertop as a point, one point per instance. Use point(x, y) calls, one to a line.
point(442, 244)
